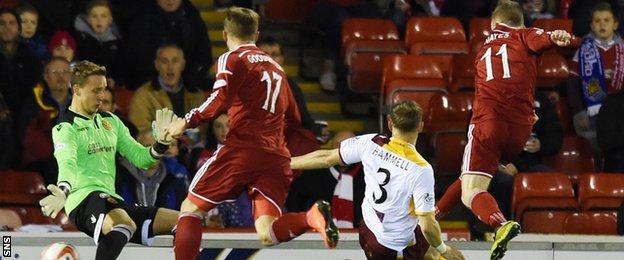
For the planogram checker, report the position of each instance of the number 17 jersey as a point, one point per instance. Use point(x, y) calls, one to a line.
point(399, 186)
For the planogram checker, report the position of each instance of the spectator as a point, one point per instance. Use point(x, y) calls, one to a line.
point(595, 72)
point(342, 185)
point(30, 35)
point(62, 44)
point(165, 90)
point(38, 115)
point(20, 69)
point(546, 139)
point(168, 22)
point(162, 185)
point(217, 130)
point(6, 136)
point(108, 105)
point(610, 132)
point(55, 15)
point(533, 10)
point(582, 19)
point(98, 38)
point(274, 49)
point(327, 17)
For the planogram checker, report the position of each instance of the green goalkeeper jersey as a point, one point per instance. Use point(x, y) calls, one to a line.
point(85, 152)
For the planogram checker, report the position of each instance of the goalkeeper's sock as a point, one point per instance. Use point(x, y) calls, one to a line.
point(188, 237)
point(110, 245)
point(450, 199)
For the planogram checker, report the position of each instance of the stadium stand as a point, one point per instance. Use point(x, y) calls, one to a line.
point(575, 156)
point(435, 35)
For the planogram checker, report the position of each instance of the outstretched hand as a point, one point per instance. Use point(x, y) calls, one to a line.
point(561, 38)
point(175, 129)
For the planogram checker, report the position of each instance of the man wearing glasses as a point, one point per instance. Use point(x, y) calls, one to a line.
point(50, 98)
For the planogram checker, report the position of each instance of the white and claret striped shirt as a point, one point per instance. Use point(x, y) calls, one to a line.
point(399, 186)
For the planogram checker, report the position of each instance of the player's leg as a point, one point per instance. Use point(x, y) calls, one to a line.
point(372, 249)
point(117, 229)
point(272, 227)
point(420, 249)
point(189, 230)
point(151, 221)
point(450, 199)
point(165, 221)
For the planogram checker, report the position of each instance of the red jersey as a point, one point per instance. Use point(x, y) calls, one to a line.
point(506, 71)
point(254, 91)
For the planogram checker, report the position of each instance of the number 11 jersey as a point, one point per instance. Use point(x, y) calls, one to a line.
point(506, 72)
point(399, 186)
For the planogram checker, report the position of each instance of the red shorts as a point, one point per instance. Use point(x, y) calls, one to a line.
point(374, 250)
point(231, 171)
point(489, 141)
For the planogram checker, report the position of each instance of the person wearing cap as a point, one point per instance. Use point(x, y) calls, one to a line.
point(62, 44)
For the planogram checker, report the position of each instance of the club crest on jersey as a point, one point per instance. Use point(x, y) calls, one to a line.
point(106, 125)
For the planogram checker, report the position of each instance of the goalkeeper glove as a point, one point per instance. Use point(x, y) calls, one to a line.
point(52, 204)
point(164, 117)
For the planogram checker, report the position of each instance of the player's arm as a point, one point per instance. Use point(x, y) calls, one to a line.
point(139, 155)
point(537, 40)
point(65, 152)
point(318, 159)
point(424, 209)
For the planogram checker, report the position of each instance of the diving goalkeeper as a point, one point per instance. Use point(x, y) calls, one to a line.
point(85, 143)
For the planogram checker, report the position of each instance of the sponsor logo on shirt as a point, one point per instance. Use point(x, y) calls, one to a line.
point(59, 146)
point(106, 124)
point(428, 198)
point(94, 148)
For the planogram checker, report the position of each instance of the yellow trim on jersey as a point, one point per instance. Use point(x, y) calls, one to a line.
point(413, 212)
point(405, 150)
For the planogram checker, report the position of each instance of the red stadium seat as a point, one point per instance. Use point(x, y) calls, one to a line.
point(364, 44)
point(22, 183)
point(475, 46)
point(448, 148)
point(123, 97)
point(575, 156)
point(591, 223)
point(552, 71)
point(561, 108)
point(368, 29)
point(463, 73)
point(287, 10)
point(601, 191)
point(33, 215)
point(544, 221)
point(410, 77)
point(363, 62)
point(553, 24)
point(479, 29)
point(449, 111)
point(539, 191)
point(435, 35)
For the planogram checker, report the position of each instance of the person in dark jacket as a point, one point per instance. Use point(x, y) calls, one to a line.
point(50, 98)
point(98, 38)
point(168, 22)
point(37, 44)
point(610, 132)
point(7, 137)
point(20, 69)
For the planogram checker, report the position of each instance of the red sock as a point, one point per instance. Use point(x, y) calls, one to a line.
point(450, 199)
point(485, 207)
point(188, 237)
point(289, 226)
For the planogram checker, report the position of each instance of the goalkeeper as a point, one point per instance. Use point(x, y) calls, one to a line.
point(85, 143)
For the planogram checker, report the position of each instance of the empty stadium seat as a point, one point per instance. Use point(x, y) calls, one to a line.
point(479, 28)
point(123, 97)
point(363, 60)
point(33, 215)
point(561, 107)
point(21, 182)
point(552, 71)
point(463, 73)
point(411, 77)
point(575, 156)
point(544, 221)
point(591, 223)
point(540, 191)
point(287, 10)
point(368, 29)
point(601, 191)
point(553, 24)
point(435, 35)
point(9, 219)
point(449, 111)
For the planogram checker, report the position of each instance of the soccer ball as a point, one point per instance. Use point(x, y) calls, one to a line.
point(59, 251)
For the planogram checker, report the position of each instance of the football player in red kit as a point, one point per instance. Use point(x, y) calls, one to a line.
point(506, 71)
point(253, 89)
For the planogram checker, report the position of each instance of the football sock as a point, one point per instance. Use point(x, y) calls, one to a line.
point(289, 226)
point(485, 207)
point(187, 237)
point(450, 199)
point(110, 245)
